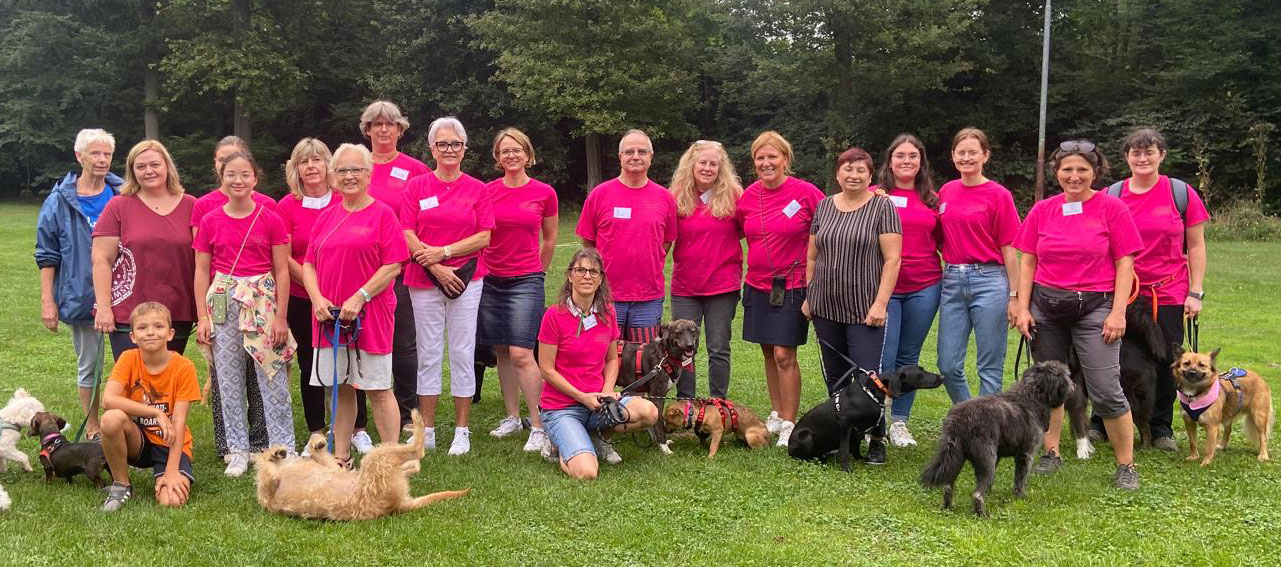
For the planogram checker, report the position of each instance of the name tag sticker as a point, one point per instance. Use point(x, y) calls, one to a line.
point(899, 201)
point(791, 208)
point(1070, 209)
point(589, 322)
point(622, 212)
point(398, 173)
point(705, 197)
point(428, 203)
point(317, 202)
point(942, 208)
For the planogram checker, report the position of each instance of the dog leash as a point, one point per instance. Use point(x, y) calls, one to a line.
point(335, 343)
point(649, 376)
point(1192, 332)
point(848, 378)
point(1018, 357)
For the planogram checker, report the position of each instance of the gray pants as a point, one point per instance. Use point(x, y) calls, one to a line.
point(89, 354)
point(231, 360)
point(714, 314)
point(1067, 319)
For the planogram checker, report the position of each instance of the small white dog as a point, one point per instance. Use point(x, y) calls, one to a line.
point(16, 415)
point(4, 499)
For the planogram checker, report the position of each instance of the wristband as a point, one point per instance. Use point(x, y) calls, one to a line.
point(365, 294)
point(448, 254)
point(1198, 295)
point(1014, 293)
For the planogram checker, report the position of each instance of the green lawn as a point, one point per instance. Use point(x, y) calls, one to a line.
point(757, 508)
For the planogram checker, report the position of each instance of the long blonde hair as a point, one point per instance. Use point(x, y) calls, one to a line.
point(172, 182)
point(725, 190)
point(305, 149)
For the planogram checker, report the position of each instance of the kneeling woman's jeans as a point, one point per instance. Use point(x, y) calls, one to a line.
point(570, 429)
point(974, 298)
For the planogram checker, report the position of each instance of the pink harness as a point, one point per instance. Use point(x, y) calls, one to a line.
point(1194, 406)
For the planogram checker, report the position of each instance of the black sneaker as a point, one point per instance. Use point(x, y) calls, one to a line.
point(875, 452)
point(117, 495)
point(1126, 477)
point(1048, 463)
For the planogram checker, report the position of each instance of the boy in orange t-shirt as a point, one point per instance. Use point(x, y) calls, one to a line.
point(147, 399)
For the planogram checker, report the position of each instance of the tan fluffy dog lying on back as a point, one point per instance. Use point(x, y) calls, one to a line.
point(319, 487)
point(716, 418)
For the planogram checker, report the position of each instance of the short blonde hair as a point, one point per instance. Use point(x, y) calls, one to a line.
point(778, 142)
point(172, 183)
point(520, 138)
point(150, 307)
point(385, 110)
point(93, 136)
point(725, 191)
point(305, 149)
point(366, 158)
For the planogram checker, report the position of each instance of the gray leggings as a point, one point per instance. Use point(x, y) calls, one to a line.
point(1067, 319)
point(715, 315)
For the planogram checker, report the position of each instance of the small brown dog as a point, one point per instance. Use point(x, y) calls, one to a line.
point(1215, 400)
point(318, 487)
point(714, 418)
point(62, 458)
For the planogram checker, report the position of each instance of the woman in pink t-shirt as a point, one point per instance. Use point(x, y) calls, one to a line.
point(979, 224)
point(579, 363)
point(905, 177)
point(774, 214)
point(242, 298)
point(447, 217)
point(526, 213)
point(1076, 275)
point(218, 196)
point(707, 259)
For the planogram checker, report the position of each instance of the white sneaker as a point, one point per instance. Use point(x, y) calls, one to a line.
point(462, 442)
point(773, 422)
point(237, 465)
point(537, 440)
point(507, 426)
point(605, 450)
point(900, 436)
point(429, 439)
point(784, 432)
point(362, 442)
point(549, 452)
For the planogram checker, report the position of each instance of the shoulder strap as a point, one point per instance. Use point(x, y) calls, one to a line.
point(1115, 188)
point(1179, 189)
point(242, 242)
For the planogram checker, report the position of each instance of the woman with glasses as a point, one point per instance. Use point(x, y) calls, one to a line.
point(520, 250)
point(447, 217)
point(355, 252)
point(980, 280)
point(1076, 277)
point(218, 196)
point(579, 364)
point(707, 260)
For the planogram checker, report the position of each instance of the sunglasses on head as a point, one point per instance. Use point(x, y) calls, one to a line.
point(1077, 146)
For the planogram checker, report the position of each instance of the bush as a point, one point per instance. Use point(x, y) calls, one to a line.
point(1243, 220)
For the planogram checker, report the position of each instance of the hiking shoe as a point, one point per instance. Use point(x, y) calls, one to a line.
point(508, 426)
point(605, 450)
point(1048, 463)
point(772, 423)
point(785, 432)
point(1126, 477)
point(537, 439)
point(237, 465)
point(900, 436)
point(362, 442)
point(1165, 444)
point(875, 452)
point(1096, 436)
point(117, 495)
point(462, 442)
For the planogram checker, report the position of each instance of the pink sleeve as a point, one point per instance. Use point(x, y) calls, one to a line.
point(551, 205)
point(408, 212)
point(547, 332)
point(109, 220)
point(276, 231)
point(1007, 220)
point(485, 210)
point(198, 212)
point(587, 221)
point(394, 248)
point(1123, 233)
point(203, 241)
point(1028, 234)
point(1196, 213)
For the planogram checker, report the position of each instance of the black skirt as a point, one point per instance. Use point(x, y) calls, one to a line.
point(766, 324)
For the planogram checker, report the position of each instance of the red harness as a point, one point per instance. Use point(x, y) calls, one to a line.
point(729, 415)
point(51, 442)
point(665, 362)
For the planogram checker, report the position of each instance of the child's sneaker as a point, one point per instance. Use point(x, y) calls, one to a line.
point(117, 495)
point(237, 465)
point(362, 442)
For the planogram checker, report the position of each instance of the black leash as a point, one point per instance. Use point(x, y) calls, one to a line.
point(848, 378)
point(646, 378)
point(1018, 357)
point(1192, 332)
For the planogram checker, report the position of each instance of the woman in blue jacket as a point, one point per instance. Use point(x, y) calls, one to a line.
point(63, 243)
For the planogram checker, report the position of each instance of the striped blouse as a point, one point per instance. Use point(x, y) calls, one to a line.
point(847, 268)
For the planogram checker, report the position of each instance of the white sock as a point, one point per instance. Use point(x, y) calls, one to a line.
point(535, 429)
point(458, 430)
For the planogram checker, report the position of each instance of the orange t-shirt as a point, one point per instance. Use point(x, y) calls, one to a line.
point(176, 383)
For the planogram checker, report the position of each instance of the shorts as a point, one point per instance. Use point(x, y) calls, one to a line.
point(569, 429)
point(511, 309)
point(766, 324)
point(157, 457)
point(372, 371)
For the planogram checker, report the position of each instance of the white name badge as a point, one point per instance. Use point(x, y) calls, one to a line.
point(622, 212)
point(428, 203)
point(1070, 209)
point(791, 208)
point(706, 197)
point(398, 173)
point(899, 201)
point(317, 202)
point(942, 208)
point(589, 322)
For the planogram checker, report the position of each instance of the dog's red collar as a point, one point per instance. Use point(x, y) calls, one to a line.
point(48, 445)
point(876, 381)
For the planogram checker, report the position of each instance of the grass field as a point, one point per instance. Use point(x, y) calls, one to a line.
point(749, 508)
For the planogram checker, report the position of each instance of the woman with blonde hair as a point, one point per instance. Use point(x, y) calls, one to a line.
point(707, 258)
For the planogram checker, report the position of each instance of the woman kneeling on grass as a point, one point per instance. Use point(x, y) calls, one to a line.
point(579, 361)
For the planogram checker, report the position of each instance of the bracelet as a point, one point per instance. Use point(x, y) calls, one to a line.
point(1197, 295)
point(365, 294)
point(448, 254)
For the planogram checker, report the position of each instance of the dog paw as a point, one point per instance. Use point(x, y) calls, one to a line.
point(1193, 457)
point(277, 454)
point(665, 447)
point(1084, 449)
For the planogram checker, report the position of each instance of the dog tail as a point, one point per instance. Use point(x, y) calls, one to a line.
point(1259, 433)
point(945, 466)
point(756, 437)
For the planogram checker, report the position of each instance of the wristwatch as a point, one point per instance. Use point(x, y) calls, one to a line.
point(365, 294)
point(1198, 295)
point(448, 253)
point(1014, 293)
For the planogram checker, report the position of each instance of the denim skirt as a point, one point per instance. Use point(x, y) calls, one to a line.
point(782, 325)
point(511, 310)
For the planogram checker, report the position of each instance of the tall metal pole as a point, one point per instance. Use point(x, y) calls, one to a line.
point(1045, 83)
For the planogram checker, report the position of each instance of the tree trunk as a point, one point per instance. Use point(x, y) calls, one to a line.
point(593, 161)
point(242, 10)
point(150, 99)
point(241, 125)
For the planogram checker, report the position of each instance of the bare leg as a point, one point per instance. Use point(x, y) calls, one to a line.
point(1055, 430)
point(462, 410)
point(120, 439)
point(508, 381)
point(427, 405)
point(1121, 435)
point(344, 421)
point(789, 382)
point(771, 379)
point(531, 381)
point(386, 414)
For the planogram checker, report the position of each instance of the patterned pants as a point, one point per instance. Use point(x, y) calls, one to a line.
point(231, 379)
point(257, 422)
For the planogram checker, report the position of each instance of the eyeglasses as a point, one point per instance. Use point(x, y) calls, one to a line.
point(349, 171)
point(586, 272)
point(511, 152)
point(449, 146)
point(1077, 146)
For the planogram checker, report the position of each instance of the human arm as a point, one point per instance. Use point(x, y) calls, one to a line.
point(1195, 238)
point(1023, 320)
point(547, 367)
point(811, 255)
point(892, 251)
point(48, 307)
point(551, 225)
point(278, 328)
point(1114, 324)
point(429, 255)
point(113, 397)
point(375, 285)
point(204, 327)
point(104, 252)
point(1011, 258)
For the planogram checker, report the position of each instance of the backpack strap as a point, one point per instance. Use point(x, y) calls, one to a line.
point(1179, 189)
point(1115, 189)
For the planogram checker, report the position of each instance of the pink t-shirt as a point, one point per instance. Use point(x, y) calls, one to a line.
point(221, 236)
point(977, 222)
point(388, 180)
point(1076, 247)
point(443, 213)
point(299, 215)
point(515, 244)
point(631, 228)
point(1162, 258)
point(580, 353)
point(776, 223)
point(216, 199)
point(707, 258)
point(346, 249)
point(921, 235)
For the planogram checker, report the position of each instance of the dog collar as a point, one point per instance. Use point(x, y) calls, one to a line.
point(6, 425)
point(48, 445)
point(876, 381)
point(1199, 403)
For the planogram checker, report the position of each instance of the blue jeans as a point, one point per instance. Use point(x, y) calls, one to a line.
point(910, 316)
point(974, 298)
point(638, 315)
point(571, 429)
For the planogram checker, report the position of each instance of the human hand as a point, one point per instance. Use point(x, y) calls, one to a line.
point(278, 330)
point(805, 310)
point(173, 481)
point(876, 315)
point(204, 330)
point(429, 255)
point(448, 281)
point(167, 430)
point(1114, 326)
point(352, 307)
point(1012, 311)
point(104, 321)
point(1025, 323)
point(320, 309)
point(49, 315)
point(1192, 307)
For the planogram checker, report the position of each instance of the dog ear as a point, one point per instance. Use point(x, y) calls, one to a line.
point(665, 331)
point(1214, 354)
point(894, 382)
point(1176, 352)
point(31, 427)
point(61, 423)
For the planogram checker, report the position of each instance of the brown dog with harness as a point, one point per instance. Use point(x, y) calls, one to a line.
point(666, 357)
point(725, 417)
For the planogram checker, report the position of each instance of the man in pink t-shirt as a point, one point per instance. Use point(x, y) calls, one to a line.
point(632, 221)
